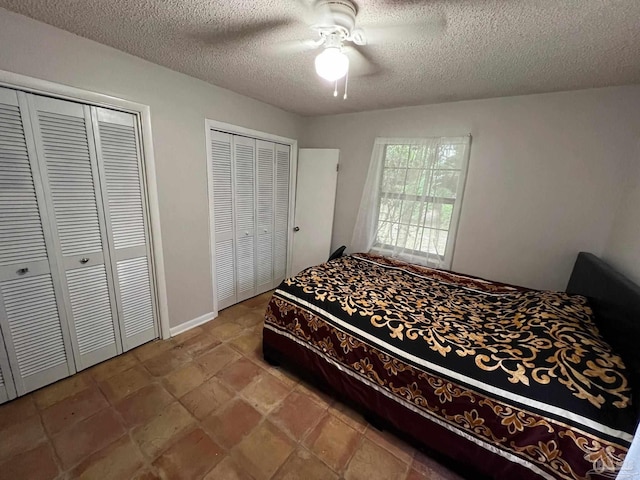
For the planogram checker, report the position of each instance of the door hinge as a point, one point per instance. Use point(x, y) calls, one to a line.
point(337, 167)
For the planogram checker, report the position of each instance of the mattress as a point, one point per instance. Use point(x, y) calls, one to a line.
point(507, 380)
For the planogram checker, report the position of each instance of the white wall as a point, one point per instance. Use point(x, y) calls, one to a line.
point(544, 182)
point(179, 105)
point(623, 248)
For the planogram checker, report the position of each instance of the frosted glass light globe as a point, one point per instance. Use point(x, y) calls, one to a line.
point(332, 64)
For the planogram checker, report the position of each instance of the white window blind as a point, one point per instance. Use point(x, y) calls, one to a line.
point(412, 199)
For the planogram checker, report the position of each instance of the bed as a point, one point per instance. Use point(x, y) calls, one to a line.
point(506, 381)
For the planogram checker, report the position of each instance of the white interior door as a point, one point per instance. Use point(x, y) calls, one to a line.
point(221, 208)
point(120, 167)
point(315, 200)
point(244, 152)
point(66, 150)
point(265, 167)
point(281, 213)
point(31, 306)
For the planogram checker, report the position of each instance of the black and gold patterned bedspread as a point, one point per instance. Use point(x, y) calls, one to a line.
point(523, 372)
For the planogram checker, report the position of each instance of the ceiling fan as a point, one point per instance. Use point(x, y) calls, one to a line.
point(333, 23)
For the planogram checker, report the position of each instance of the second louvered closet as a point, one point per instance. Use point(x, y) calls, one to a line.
point(250, 215)
point(75, 273)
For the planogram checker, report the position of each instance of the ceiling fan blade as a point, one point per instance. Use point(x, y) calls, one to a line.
point(360, 62)
point(407, 33)
point(315, 12)
point(240, 33)
point(294, 46)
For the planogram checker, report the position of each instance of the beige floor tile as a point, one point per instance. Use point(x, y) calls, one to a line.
point(21, 436)
point(17, 410)
point(184, 379)
point(249, 344)
point(186, 335)
point(73, 409)
point(250, 319)
point(206, 398)
point(230, 424)
point(415, 475)
point(239, 374)
point(196, 346)
point(36, 464)
point(297, 415)
point(265, 392)
point(333, 441)
point(162, 430)
point(215, 360)
point(62, 389)
point(225, 330)
point(143, 404)
point(190, 458)
point(228, 469)
point(125, 383)
point(371, 461)
point(82, 439)
point(349, 416)
point(147, 474)
point(108, 369)
point(117, 461)
point(431, 469)
point(391, 443)
point(151, 349)
point(302, 464)
point(166, 362)
point(263, 451)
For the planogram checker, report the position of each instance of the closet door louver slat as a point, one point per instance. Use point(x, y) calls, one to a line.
point(30, 320)
point(69, 167)
point(281, 213)
point(221, 196)
point(121, 171)
point(244, 150)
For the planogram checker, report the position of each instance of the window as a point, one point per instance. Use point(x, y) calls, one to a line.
point(413, 195)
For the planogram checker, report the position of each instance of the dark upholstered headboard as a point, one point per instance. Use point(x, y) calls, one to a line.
point(615, 301)
point(594, 278)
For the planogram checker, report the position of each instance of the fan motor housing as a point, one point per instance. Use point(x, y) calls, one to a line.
point(335, 16)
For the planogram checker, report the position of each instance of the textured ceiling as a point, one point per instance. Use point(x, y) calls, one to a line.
point(457, 49)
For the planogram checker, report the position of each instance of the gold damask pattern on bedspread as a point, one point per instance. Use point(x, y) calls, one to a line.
point(521, 336)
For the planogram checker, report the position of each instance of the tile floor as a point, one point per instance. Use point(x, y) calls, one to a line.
point(203, 405)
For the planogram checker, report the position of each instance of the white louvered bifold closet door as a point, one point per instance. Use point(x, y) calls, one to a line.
point(221, 198)
point(31, 307)
point(264, 187)
point(244, 154)
point(120, 168)
point(67, 159)
point(281, 203)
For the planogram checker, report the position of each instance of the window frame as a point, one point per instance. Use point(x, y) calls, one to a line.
point(431, 260)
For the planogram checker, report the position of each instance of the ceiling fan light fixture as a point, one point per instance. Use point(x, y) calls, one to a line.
point(332, 64)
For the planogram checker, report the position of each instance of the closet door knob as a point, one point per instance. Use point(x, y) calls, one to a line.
point(84, 260)
point(22, 271)
point(296, 229)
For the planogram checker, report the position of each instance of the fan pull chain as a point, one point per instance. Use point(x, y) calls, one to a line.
point(346, 84)
point(335, 90)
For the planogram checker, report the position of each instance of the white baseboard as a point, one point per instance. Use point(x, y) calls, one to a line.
point(188, 325)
